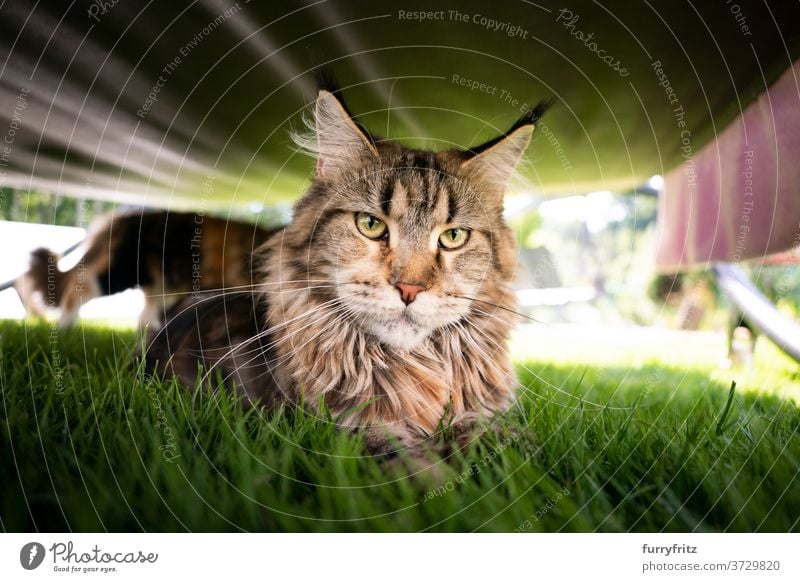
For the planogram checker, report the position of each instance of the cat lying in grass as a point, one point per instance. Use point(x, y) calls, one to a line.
point(388, 296)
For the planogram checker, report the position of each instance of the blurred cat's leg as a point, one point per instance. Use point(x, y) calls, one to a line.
point(30, 297)
point(383, 442)
point(152, 313)
point(77, 291)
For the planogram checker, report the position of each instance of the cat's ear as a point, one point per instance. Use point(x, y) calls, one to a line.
point(339, 139)
point(494, 162)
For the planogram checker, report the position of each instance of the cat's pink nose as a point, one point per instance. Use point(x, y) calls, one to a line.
point(408, 291)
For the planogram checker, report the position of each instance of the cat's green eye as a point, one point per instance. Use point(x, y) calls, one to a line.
point(369, 226)
point(453, 238)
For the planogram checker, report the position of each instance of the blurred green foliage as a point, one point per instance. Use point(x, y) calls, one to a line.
point(45, 208)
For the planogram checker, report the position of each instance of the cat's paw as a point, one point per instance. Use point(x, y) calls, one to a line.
point(461, 436)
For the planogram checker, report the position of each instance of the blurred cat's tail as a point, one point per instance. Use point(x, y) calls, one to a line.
point(39, 288)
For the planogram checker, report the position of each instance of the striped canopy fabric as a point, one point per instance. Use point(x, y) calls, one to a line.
point(188, 104)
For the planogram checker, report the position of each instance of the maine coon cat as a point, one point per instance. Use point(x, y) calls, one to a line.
point(388, 296)
point(166, 254)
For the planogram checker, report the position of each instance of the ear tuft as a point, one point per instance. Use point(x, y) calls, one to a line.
point(495, 161)
point(326, 81)
point(532, 116)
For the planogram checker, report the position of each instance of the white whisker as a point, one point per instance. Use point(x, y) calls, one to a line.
point(549, 384)
point(292, 352)
point(256, 287)
point(271, 330)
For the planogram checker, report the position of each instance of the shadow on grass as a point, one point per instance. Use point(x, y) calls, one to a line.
point(87, 445)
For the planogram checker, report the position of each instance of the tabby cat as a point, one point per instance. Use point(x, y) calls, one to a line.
point(167, 254)
point(388, 296)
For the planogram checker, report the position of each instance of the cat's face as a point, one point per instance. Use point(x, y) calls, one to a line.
point(407, 246)
point(405, 240)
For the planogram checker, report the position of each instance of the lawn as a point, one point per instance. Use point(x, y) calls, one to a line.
point(613, 432)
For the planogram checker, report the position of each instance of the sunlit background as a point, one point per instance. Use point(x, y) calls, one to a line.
point(586, 269)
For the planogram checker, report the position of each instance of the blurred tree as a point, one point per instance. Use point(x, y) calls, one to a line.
point(526, 225)
point(780, 284)
point(6, 203)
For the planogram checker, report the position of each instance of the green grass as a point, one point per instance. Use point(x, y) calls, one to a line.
point(609, 436)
